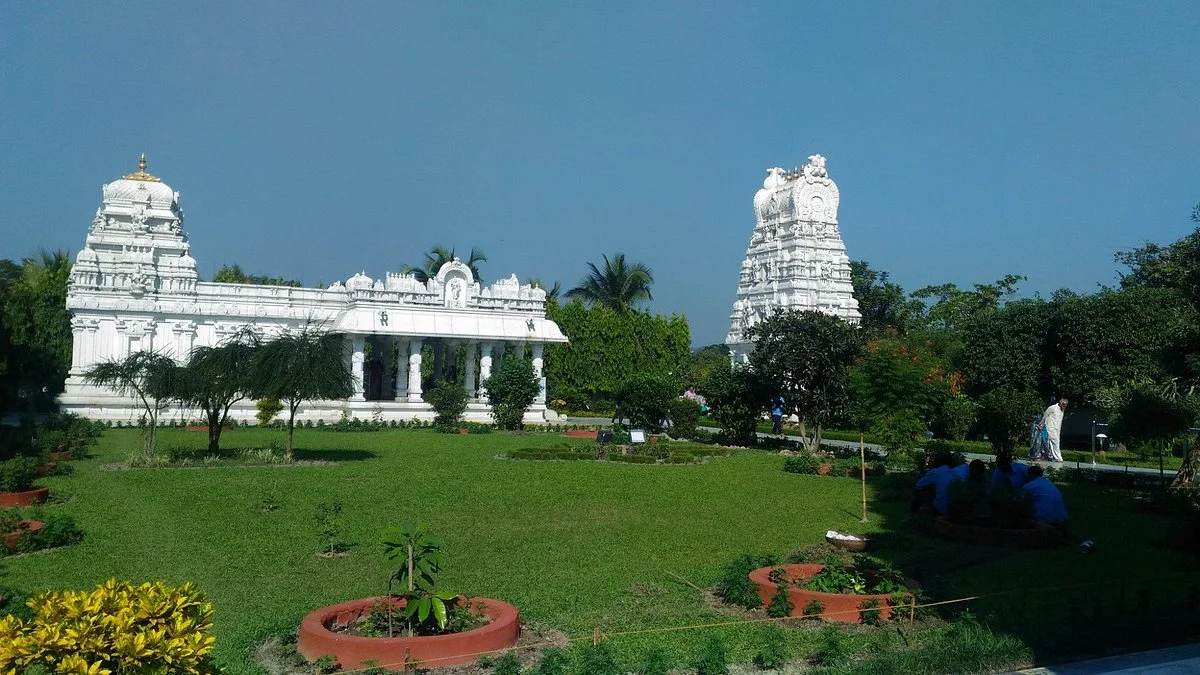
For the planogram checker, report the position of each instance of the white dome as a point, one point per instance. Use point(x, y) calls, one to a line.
point(358, 281)
point(86, 255)
point(141, 186)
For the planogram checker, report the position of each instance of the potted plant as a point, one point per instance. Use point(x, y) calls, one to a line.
point(13, 527)
point(16, 482)
point(421, 623)
point(843, 591)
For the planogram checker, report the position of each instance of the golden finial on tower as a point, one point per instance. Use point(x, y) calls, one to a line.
point(141, 172)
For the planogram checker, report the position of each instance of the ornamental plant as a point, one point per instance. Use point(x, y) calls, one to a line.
point(449, 401)
point(421, 554)
point(17, 474)
point(511, 390)
point(645, 398)
point(116, 628)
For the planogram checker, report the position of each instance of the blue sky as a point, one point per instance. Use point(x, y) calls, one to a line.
point(314, 140)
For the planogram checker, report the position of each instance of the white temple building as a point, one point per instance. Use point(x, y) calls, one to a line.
point(134, 286)
point(796, 258)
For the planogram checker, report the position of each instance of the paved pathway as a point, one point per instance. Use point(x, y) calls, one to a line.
point(1170, 473)
point(1180, 660)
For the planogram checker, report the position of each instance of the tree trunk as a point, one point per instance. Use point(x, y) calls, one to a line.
point(214, 432)
point(291, 424)
point(1186, 477)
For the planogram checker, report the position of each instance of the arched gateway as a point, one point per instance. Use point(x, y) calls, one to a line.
point(134, 286)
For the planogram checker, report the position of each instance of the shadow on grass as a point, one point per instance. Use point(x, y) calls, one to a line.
point(1130, 593)
point(327, 455)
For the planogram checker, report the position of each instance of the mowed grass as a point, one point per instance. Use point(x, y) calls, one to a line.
point(575, 545)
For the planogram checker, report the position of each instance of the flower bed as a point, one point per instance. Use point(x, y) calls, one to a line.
point(645, 453)
point(38, 495)
point(839, 607)
point(318, 637)
point(581, 433)
point(815, 465)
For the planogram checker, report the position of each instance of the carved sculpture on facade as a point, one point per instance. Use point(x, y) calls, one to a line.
point(796, 258)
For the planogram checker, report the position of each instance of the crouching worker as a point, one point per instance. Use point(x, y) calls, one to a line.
point(933, 489)
point(1009, 473)
point(974, 471)
point(1048, 506)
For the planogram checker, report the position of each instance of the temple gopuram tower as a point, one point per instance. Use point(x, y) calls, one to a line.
point(796, 258)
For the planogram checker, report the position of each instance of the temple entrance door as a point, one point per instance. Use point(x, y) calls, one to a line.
point(374, 390)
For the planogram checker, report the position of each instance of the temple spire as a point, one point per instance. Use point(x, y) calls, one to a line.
point(141, 174)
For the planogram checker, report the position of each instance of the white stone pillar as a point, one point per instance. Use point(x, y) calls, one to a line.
point(469, 376)
point(357, 360)
point(537, 348)
point(414, 372)
point(498, 363)
point(401, 370)
point(485, 369)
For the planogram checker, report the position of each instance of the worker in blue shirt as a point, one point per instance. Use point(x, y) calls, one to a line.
point(1048, 505)
point(777, 415)
point(934, 487)
point(1009, 472)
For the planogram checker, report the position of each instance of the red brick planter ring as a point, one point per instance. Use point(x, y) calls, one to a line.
point(581, 433)
point(38, 495)
point(841, 607)
point(11, 539)
point(433, 651)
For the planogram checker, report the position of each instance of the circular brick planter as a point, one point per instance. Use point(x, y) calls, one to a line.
point(840, 607)
point(1032, 537)
point(351, 652)
point(38, 495)
point(11, 539)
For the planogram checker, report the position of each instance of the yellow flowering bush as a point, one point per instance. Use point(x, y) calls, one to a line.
point(115, 629)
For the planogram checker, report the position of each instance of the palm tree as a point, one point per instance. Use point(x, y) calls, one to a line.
point(438, 256)
point(618, 286)
point(217, 377)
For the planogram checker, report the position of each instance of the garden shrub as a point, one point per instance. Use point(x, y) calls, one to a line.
point(449, 401)
point(511, 390)
point(813, 609)
point(737, 398)
point(802, 464)
point(772, 653)
point(734, 587)
point(597, 659)
point(17, 474)
point(117, 627)
point(655, 662)
point(713, 658)
point(644, 399)
point(1005, 415)
point(869, 612)
point(554, 662)
point(781, 605)
point(683, 414)
point(268, 408)
point(57, 530)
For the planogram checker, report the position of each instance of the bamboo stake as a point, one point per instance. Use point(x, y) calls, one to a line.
point(862, 459)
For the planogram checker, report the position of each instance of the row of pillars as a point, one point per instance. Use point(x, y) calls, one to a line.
point(490, 354)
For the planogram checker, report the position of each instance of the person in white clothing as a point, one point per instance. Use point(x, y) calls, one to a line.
point(1052, 421)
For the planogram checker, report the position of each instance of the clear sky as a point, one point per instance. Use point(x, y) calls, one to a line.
point(314, 140)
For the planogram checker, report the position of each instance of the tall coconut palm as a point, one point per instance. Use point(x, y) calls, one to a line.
point(618, 286)
point(438, 256)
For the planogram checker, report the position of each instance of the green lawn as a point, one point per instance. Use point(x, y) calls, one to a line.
point(575, 545)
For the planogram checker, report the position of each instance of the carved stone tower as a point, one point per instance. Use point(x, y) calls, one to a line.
point(796, 258)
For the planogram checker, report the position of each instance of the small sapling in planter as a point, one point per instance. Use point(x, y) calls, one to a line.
point(329, 519)
point(421, 557)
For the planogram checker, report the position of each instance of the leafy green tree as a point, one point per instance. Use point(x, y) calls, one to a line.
point(899, 375)
point(217, 377)
point(704, 362)
point(1151, 416)
point(151, 377)
point(951, 311)
point(511, 390)
point(607, 348)
point(644, 399)
point(236, 275)
point(1115, 336)
point(440, 255)
point(805, 357)
point(619, 286)
point(1008, 348)
point(957, 415)
point(1006, 416)
point(35, 329)
point(882, 303)
point(1174, 266)
point(736, 398)
point(302, 365)
point(684, 415)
